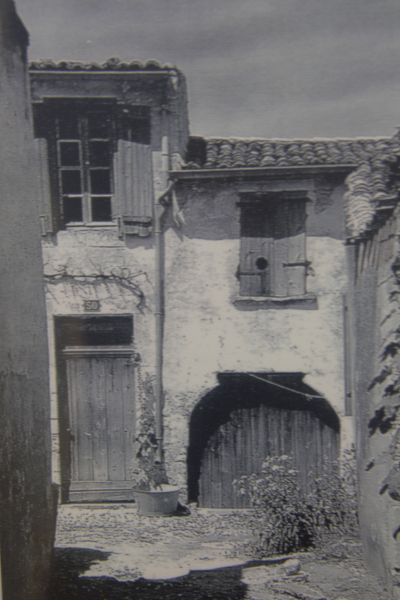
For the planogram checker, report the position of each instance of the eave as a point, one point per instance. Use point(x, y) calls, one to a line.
point(99, 73)
point(247, 172)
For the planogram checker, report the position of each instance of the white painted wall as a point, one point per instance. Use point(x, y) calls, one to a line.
point(207, 332)
point(81, 252)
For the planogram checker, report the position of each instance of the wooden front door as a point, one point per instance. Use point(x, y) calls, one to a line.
point(100, 390)
point(250, 434)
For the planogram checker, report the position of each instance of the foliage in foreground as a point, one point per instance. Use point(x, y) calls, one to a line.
point(293, 515)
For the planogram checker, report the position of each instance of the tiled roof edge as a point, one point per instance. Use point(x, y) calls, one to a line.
point(225, 153)
point(295, 140)
point(372, 185)
point(112, 64)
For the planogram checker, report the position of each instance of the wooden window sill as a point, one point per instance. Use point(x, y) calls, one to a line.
point(91, 225)
point(305, 302)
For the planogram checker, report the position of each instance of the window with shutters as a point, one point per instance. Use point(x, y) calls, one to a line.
point(272, 252)
point(97, 159)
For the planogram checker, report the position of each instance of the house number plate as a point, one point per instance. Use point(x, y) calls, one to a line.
point(91, 305)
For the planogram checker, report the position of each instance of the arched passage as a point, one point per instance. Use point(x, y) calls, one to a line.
point(249, 416)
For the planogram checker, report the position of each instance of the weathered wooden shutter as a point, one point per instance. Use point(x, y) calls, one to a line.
point(289, 264)
point(272, 251)
point(280, 252)
point(44, 191)
point(133, 194)
point(296, 266)
point(255, 251)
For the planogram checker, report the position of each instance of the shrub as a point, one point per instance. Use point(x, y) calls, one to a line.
point(333, 498)
point(147, 472)
point(287, 517)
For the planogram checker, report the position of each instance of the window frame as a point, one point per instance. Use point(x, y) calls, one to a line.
point(85, 168)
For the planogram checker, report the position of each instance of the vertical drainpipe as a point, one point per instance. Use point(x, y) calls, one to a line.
point(1, 578)
point(159, 291)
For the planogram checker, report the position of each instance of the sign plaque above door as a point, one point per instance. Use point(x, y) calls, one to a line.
point(91, 305)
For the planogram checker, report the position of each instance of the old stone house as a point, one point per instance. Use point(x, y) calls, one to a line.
point(105, 137)
point(218, 273)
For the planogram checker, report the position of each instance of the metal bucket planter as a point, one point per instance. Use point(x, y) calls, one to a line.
point(163, 501)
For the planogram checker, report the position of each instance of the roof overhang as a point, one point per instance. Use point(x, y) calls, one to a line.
point(100, 73)
point(272, 172)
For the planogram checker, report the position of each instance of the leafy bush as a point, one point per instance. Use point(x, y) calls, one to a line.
point(333, 498)
point(287, 517)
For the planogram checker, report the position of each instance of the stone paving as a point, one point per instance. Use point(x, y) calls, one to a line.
point(153, 547)
point(109, 551)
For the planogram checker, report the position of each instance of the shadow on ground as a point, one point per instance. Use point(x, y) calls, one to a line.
point(69, 584)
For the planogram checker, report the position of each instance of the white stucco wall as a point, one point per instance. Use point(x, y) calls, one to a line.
point(207, 332)
point(74, 258)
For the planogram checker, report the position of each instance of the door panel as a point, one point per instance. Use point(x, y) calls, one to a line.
point(100, 385)
point(239, 446)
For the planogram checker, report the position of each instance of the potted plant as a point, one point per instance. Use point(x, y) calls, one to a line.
point(153, 494)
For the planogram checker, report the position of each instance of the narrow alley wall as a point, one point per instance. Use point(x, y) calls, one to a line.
point(374, 287)
point(27, 506)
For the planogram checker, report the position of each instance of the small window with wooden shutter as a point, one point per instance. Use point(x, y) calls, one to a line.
point(272, 248)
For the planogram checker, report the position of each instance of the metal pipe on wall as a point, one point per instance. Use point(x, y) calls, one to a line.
point(159, 293)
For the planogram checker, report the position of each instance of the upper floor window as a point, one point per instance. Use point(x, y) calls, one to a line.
point(84, 166)
point(98, 161)
point(272, 250)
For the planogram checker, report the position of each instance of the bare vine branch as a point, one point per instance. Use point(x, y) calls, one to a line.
point(121, 276)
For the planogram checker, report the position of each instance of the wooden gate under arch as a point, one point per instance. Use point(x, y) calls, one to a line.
point(245, 428)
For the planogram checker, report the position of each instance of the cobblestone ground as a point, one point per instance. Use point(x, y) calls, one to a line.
point(109, 552)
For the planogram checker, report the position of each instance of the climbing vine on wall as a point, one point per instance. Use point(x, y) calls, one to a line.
point(388, 376)
point(121, 276)
point(387, 381)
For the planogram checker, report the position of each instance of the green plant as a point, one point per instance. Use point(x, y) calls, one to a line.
point(333, 497)
point(287, 516)
point(148, 473)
